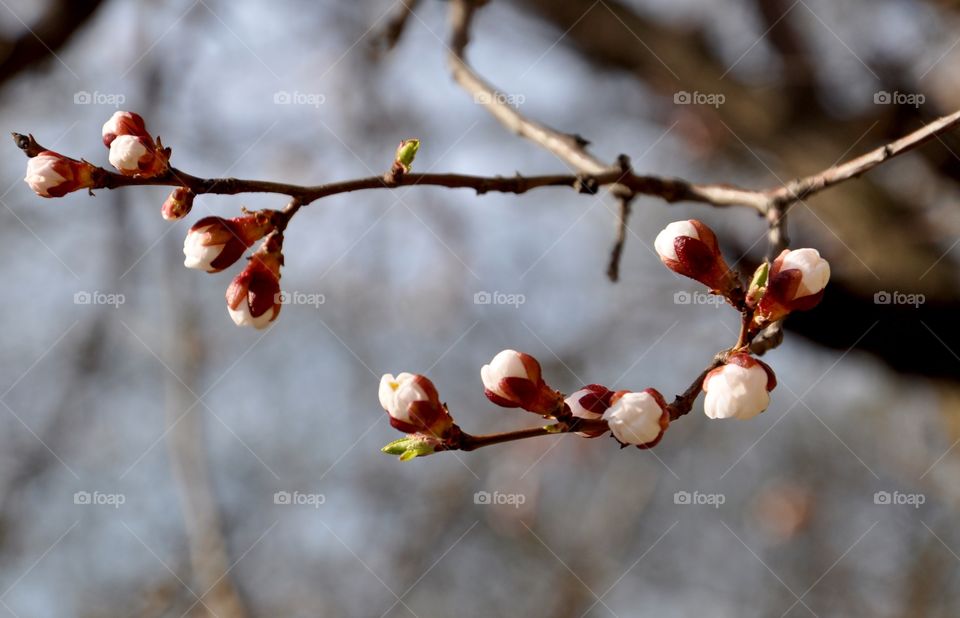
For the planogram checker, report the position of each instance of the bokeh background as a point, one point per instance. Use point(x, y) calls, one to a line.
point(181, 428)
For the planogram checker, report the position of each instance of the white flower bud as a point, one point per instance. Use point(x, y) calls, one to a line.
point(123, 123)
point(734, 391)
point(397, 393)
point(664, 243)
point(814, 270)
point(196, 253)
point(506, 364)
point(589, 403)
point(42, 173)
point(635, 418)
point(126, 152)
point(241, 316)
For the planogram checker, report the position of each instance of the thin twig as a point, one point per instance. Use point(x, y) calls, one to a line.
point(388, 37)
point(616, 252)
point(801, 188)
point(468, 442)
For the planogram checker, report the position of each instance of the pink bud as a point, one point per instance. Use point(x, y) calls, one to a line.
point(638, 418)
point(51, 174)
point(796, 282)
point(178, 204)
point(214, 243)
point(512, 380)
point(738, 389)
point(690, 248)
point(413, 405)
point(123, 123)
point(253, 297)
point(590, 402)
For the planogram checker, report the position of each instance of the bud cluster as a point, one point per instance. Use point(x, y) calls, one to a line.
point(737, 386)
point(212, 244)
point(740, 386)
point(132, 151)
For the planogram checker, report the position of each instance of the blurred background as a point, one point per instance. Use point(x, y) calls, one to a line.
point(156, 460)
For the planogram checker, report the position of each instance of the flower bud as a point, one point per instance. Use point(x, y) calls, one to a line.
point(690, 248)
point(134, 155)
point(214, 243)
point(739, 389)
point(513, 380)
point(638, 418)
point(123, 123)
point(253, 297)
point(590, 402)
point(178, 204)
point(795, 283)
point(51, 174)
point(413, 405)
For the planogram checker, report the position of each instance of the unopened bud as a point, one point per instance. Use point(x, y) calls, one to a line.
point(796, 282)
point(690, 248)
point(639, 419)
point(414, 407)
point(738, 389)
point(51, 174)
point(253, 297)
point(177, 204)
point(214, 243)
point(513, 380)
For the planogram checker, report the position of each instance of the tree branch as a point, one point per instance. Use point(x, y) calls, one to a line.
point(801, 188)
point(666, 188)
point(567, 147)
